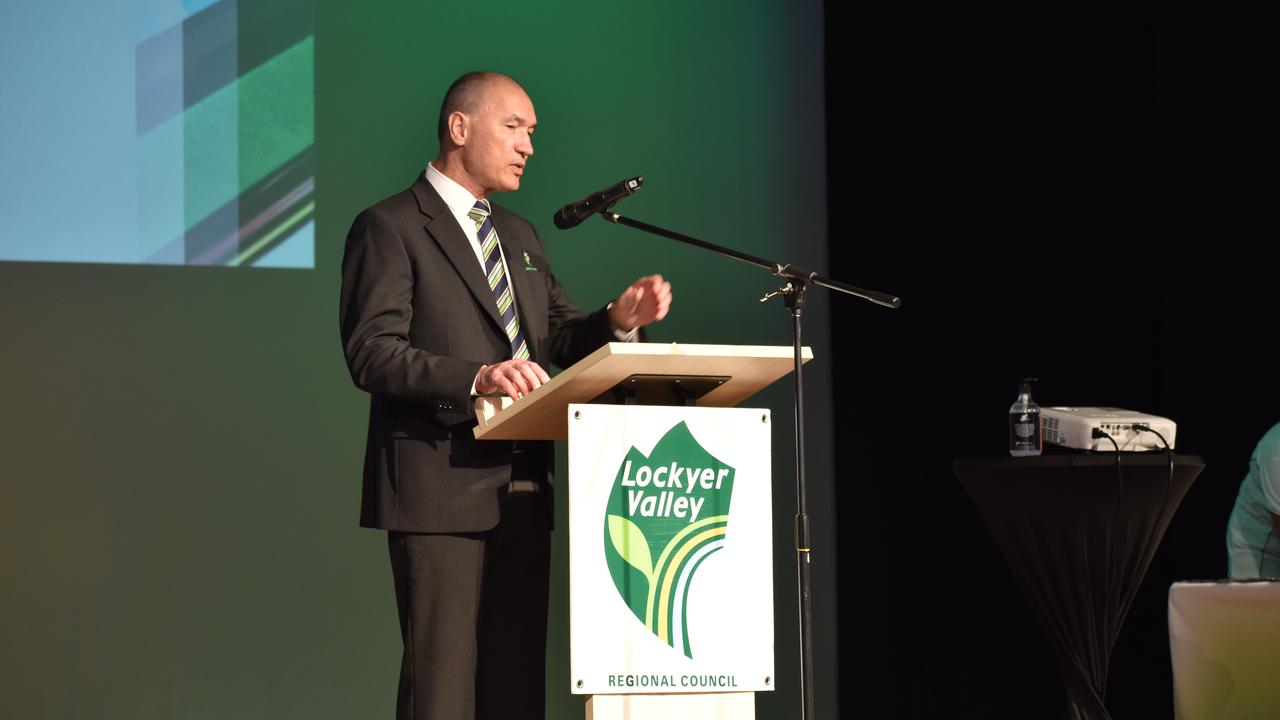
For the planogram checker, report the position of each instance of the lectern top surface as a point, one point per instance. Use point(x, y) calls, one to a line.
point(541, 415)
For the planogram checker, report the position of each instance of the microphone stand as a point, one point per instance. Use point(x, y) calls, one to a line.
point(793, 296)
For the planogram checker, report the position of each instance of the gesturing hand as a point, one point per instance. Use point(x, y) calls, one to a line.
point(647, 300)
point(516, 378)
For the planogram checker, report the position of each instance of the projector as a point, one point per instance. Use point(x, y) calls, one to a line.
point(1074, 427)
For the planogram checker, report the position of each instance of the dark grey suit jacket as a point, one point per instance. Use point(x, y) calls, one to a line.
point(418, 321)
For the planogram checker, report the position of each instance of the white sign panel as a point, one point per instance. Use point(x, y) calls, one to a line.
point(670, 560)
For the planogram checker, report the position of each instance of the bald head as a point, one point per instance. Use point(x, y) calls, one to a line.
point(486, 133)
point(467, 95)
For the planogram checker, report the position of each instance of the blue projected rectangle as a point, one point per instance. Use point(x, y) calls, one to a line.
point(181, 133)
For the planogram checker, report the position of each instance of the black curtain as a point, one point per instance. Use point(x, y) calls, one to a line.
point(1080, 194)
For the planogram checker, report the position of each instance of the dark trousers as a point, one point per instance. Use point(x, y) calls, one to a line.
point(473, 616)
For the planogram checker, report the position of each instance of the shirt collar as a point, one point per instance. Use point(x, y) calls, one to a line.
point(456, 197)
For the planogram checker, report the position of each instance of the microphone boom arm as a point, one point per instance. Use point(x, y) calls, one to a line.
point(782, 270)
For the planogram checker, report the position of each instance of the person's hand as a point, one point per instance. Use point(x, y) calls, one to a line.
point(515, 378)
point(647, 300)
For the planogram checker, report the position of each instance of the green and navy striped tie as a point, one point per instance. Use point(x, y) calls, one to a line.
point(497, 275)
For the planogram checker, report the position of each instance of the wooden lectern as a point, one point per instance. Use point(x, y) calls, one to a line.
point(670, 523)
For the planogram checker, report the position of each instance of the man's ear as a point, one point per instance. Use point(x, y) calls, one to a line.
point(459, 127)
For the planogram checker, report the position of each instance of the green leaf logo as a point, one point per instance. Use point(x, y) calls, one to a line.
point(672, 505)
point(628, 540)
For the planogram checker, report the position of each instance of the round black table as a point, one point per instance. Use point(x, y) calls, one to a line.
point(1079, 532)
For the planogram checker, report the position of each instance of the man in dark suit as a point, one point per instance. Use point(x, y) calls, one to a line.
point(446, 297)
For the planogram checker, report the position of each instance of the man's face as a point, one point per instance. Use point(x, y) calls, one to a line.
point(499, 138)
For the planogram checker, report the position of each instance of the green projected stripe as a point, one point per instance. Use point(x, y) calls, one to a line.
point(277, 112)
point(209, 153)
point(269, 113)
point(266, 239)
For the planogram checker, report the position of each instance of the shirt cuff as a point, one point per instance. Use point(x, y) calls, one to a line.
point(622, 335)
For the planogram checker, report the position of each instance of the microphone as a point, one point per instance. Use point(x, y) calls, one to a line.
point(573, 213)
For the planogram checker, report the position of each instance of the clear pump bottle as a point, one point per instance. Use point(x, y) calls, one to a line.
point(1025, 431)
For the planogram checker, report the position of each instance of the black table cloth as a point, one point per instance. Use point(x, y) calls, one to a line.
point(1078, 533)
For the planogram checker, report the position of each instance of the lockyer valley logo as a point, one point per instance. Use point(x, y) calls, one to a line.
point(667, 514)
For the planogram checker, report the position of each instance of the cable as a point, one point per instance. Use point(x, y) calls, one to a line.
point(1115, 516)
point(1143, 427)
point(1168, 488)
point(1100, 433)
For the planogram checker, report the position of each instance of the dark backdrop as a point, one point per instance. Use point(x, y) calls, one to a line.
point(1072, 193)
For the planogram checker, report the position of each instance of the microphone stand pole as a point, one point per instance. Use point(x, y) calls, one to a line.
point(793, 297)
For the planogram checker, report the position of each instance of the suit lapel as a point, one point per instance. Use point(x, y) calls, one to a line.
point(444, 229)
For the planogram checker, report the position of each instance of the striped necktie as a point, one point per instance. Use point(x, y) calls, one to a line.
point(497, 275)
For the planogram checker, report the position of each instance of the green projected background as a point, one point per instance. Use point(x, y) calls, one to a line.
point(181, 446)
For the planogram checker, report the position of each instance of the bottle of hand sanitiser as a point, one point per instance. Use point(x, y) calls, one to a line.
point(1025, 430)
